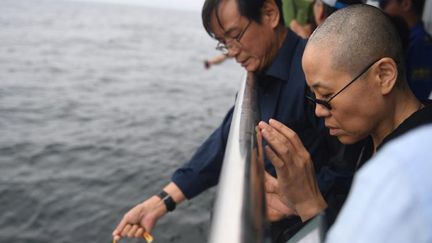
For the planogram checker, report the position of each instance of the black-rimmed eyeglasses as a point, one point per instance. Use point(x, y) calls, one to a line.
point(326, 103)
point(230, 42)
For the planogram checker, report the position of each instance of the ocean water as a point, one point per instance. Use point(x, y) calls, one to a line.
point(99, 103)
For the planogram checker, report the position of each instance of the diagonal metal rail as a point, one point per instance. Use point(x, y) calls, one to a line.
point(239, 213)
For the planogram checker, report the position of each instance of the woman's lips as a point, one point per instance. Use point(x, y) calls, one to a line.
point(335, 131)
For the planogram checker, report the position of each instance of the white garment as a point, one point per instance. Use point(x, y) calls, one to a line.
point(427, 15)
point(391, 197)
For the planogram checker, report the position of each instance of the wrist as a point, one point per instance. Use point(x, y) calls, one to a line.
point(167, 200)
point(311, 208)
point(159, 208)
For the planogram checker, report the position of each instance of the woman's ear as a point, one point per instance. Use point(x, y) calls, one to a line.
point(270, 13)
point(387, 74)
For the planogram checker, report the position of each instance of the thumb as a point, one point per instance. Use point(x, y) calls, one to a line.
point(149, 222)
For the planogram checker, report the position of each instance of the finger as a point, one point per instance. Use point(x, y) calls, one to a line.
point(259, 145)
point(262, 125)
point(301, 154)
point(132, 231)
point(288, 133)
point(277, 162)
point(280, 144)
point(274, 130)
point(116, 238)
point(139, 232)
point(126, 230)
point(259, 138)
point(282, 167)
point(120, 227)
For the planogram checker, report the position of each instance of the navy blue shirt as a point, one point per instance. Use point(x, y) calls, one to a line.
point(281, 95)
point(419, 62)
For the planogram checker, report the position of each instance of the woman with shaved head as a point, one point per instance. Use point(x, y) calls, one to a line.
point(354, 64)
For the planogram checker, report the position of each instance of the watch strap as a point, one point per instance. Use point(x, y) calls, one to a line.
point(169, 202)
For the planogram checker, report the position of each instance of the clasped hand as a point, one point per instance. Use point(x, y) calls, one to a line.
point(296, 181)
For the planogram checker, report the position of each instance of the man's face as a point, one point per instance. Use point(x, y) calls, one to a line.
point(391, 7)
point(257, 46)
point(355, 111)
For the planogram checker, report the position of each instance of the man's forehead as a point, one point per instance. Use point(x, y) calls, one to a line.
point(225, 17)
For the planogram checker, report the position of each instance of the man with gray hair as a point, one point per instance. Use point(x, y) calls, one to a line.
point(354, 64)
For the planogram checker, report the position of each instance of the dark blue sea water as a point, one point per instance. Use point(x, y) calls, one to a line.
point(99, 103)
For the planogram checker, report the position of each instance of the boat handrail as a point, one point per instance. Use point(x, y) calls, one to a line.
point(239, 212)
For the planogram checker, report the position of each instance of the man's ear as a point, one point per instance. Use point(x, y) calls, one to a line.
point(270, 13)
point(386, 74)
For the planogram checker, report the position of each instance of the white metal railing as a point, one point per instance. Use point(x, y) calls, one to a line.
point(239, 213)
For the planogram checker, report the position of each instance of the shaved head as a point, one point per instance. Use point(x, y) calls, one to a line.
point(357, 35)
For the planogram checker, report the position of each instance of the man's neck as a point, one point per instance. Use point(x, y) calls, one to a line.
point(280, 35)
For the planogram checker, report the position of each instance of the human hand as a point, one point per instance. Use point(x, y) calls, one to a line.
point(140, 219)
point(296, 182)
point(276, 208)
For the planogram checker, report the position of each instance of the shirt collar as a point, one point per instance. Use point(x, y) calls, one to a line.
point(418, 118)
point(280, 67)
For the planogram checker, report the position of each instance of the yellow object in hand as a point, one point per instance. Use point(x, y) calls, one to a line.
point(148, 237)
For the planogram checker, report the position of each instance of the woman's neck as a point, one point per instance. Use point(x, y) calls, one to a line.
point(402, 107)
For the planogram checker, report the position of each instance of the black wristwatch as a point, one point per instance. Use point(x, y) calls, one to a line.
point(170, 204)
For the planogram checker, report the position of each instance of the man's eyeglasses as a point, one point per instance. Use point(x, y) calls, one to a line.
point(231, 42)
point(326, 102)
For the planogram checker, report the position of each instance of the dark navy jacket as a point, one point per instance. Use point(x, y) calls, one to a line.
point(281, 92)
point(419, 62)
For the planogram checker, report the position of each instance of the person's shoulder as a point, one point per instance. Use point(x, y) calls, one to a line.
point(393, 186)
point(407, 157)
point(408, 154)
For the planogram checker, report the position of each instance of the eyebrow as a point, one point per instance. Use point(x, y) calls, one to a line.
point(226, 34)
point(231, 29)
point(319, 84)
